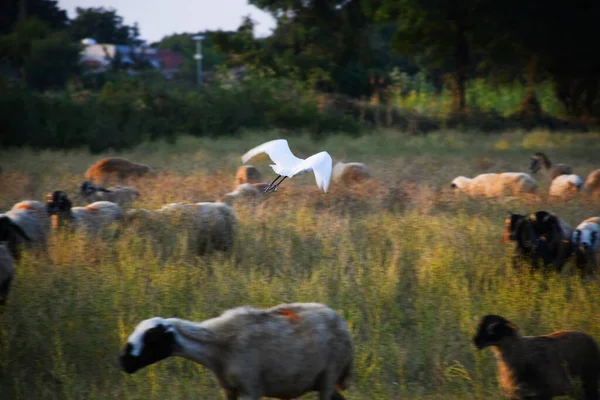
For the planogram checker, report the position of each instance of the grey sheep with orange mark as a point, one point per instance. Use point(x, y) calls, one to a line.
point(540, 367)
point(122, 195)
point(26, 222)
point(281, 352)
point(7, 272)
point(91, 219)
point(114, 168)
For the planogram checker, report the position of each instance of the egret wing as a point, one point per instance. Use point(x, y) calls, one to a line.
point(321, 164)
point(278, 150)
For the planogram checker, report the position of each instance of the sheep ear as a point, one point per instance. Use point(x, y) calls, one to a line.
point(491, 327)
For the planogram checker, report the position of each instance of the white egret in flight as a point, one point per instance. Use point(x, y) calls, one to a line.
point(288, 165)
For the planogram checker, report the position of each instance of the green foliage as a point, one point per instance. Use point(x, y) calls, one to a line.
point(127, 112)
point(47, 11)
point(52, 61)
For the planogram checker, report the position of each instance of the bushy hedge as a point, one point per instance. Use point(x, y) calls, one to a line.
point(124, 113)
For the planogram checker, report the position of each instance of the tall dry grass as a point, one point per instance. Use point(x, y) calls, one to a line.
point(410, 266)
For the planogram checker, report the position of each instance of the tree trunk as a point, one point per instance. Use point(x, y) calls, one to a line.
point(462, 63)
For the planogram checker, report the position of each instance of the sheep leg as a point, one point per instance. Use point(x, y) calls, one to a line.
point(268, 188)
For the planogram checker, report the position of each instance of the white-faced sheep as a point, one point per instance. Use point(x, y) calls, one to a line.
point(122, 195)
point(585, 242)
point(496, 185)
point(246, 192)
point(91, 219)
point(552, 170)
point(115, 168)
point(28, 221)
point(348, 173)
point(247, 174)
point(7, 271)
point(592, 183)
point(209, 225)
point(565, 186)
point(540, 367)
point(281, 352)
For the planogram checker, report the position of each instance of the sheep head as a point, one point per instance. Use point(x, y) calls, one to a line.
point(58, 202)
point(512, 226)
point(9, 233)
point(152, 340)
point(87, 188)
point(535, 165)
point(460, 182)
point(492, 329)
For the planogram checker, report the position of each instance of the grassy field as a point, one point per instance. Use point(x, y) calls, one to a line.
point(410, 266)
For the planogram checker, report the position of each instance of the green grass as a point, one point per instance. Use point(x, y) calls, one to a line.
point(409, 266)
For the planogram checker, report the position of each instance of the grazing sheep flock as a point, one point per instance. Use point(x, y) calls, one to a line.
point(292, 349)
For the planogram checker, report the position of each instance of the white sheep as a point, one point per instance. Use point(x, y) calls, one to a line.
point(122, 195)
point(496, 185)
point(351, 172)
point(31, 218)
point(91, 219)
point(7, 272)
point(246, 191)
point(282, 352)
point(585, 242)
point(565, 186)
point(210, 225)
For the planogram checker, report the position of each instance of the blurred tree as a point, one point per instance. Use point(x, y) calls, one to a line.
point(103, 25)
point(184, 45)
point(15, 46)
point(47, 11)
point(439, 34)
point(52, 61)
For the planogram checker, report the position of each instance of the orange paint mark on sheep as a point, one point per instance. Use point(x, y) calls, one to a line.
point(338, 388)
point(25, 207)
point(91, 208)
point(289, 314)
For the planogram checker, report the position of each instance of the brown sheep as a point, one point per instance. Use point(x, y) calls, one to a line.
point(540, 367)
point(592, 183)
point(247, 174)
point(552, 170)
point(115, 168)
point(281, 352)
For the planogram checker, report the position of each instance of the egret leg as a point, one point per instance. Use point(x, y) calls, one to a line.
point(274, 188)
point(271, 184)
